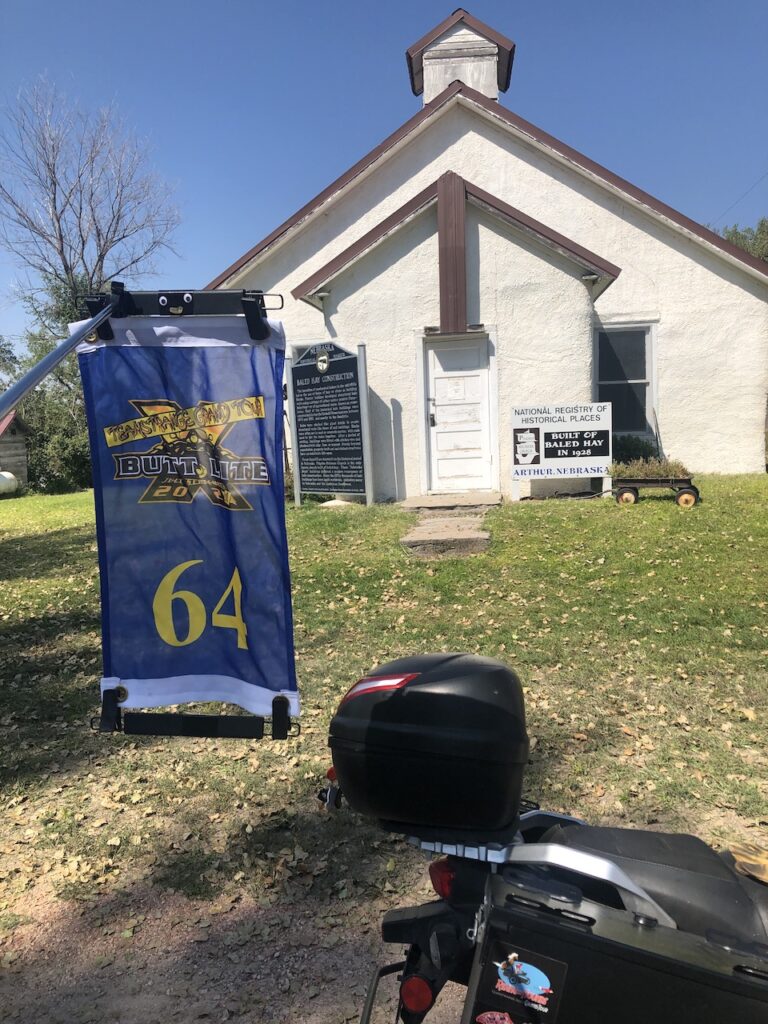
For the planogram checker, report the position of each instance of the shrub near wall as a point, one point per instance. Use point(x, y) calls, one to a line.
point(649, 469)
point(638, 458)
point(630, 448)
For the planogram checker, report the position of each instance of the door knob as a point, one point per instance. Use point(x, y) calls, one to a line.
point(432, 420)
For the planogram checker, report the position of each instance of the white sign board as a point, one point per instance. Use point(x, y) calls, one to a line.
point(561, 440)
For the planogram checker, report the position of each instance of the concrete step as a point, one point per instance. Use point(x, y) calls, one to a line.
point(465, 500)
point(439, 535)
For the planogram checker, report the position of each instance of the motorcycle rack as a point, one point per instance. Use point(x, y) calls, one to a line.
point(589, 865)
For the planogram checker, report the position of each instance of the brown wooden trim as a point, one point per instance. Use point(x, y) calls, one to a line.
point(414, 54)
point(452, 256)
point(645, 198)
point(451, 193)
point(340, 183)
point(589, 260)
point(369, 239)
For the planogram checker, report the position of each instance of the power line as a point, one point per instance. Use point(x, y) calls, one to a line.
point(750, 189)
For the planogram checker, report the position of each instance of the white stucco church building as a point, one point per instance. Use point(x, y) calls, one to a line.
point(486, 264)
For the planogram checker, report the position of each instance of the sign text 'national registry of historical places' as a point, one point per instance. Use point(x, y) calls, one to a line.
point(561, 441)
point(329, 426)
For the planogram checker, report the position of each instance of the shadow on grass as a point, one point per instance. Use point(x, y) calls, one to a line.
point(141, 955)
point(41, 658)
point(34, 555)
point(290, 855)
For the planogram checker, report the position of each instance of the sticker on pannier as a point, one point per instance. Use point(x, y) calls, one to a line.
point(531, 983)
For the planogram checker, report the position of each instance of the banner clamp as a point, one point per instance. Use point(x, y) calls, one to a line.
point(238, 727)
point(252, 304)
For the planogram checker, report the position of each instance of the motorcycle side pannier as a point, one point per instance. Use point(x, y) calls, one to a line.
point(434, 745)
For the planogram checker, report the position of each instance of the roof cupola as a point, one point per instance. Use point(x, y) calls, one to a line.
point(463, 49)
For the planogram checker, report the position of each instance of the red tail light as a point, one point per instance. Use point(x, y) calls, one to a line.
point(416, 994)
point(373, 684)
point(442, 874)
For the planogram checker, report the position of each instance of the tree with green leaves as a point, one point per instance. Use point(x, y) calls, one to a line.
point(9, 363)
point(754, 240)
point(79, 207)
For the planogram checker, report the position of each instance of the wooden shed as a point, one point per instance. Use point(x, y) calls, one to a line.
point(13, 446)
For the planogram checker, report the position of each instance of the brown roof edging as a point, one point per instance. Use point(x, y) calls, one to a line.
point(405, 129)
point(450, 186)
point(366, 241)
point(527, 128)
point(583, 256)
point(505, 45)
point(659, 207)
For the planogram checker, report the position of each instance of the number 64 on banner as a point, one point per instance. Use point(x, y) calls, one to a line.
point(165, 595)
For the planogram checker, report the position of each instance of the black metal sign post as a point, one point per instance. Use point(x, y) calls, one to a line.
point(330, 431)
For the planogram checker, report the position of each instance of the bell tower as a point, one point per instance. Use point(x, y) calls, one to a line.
point(462, 49)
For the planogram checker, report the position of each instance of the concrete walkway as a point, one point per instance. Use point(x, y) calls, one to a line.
point(449, 524)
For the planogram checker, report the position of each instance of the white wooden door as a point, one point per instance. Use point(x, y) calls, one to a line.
point(459, 415)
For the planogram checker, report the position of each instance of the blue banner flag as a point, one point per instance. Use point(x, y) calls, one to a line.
point(186, 423)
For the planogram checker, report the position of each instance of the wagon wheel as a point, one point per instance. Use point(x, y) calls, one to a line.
point(687, 497)
point(627, 496)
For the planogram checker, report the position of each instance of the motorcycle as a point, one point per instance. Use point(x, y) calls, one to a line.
point(541, 916)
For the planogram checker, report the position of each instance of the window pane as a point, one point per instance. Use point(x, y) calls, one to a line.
point(629, 404)
point(622, 355)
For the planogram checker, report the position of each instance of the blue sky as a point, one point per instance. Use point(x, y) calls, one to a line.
point(251, 108)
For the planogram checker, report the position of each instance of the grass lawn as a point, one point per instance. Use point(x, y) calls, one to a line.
point(640, 634)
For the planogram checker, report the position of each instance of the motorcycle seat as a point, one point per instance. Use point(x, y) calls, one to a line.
point(698, 888)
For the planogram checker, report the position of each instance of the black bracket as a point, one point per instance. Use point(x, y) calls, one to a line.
point(226, 302)
point(111, 716)
point(255, 315)
point(118, 298)
point(142, 723)
point(373, 984)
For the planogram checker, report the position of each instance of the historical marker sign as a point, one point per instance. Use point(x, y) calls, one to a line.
point(329, 429)
point(561, 440)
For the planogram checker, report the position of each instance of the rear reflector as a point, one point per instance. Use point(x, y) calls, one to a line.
point(374, 684)
point(331, 774)
point(416, 994)
point(442, 875)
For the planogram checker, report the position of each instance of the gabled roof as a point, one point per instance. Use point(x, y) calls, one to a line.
point(414, 55)
point(603, 272)
point(457, 92)
point(411, 125)
point(370, 239)
point(12, 417)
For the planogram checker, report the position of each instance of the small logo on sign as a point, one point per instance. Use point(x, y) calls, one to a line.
point(526, 447)
point(494, 1017)
point(322, 362)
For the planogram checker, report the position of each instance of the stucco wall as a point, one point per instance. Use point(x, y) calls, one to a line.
point(539, 314)
point(535, 307)
point(391, 292)
point(710, 318)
